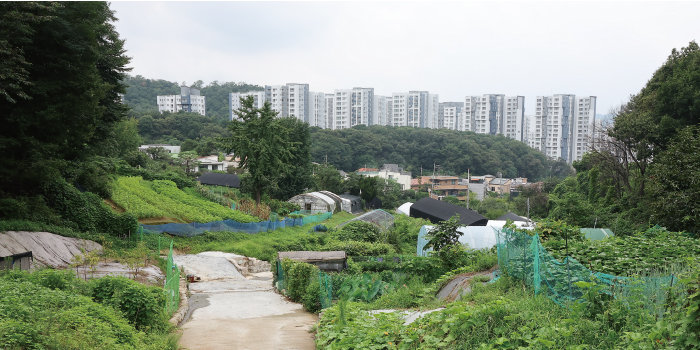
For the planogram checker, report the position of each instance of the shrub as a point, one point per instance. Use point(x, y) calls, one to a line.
point(303, 283)
point(141, 305)
point(360, 231)
point(281, 207)
point(85, 211)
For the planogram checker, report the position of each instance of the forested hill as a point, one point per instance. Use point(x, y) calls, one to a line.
point(141, 94)
point(453, 151)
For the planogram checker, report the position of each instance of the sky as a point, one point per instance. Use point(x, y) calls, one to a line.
point(455, 49)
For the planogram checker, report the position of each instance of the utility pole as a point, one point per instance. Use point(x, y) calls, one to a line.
point(469, 179)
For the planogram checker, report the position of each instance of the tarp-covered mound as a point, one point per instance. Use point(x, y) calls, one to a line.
point(48, 249)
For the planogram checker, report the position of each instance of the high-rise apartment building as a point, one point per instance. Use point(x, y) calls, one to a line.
point(418, 109)
point(381, 110)
point(514, 118)
point(563, 126)
point(298, 101)
point(277, 96)
point(449, 115)
point(495, 115)
point(317, 110)
point(362, 106)
point(234, 101)
point(353, 107)
point(397, 106)
point(189, 100)
point(330, 111)
point(342, 107)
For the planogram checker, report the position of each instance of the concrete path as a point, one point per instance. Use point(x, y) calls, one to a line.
point(230, 311)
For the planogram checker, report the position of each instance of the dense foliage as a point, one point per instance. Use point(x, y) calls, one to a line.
point(645, 170)
point(141, 95)
point(653, 251)
point(54, 310)
point(505, 316)
point(454, 151)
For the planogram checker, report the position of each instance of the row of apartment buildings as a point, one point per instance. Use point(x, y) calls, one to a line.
point(562, 126)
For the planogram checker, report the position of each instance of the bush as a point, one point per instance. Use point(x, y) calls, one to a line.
point(302, 283)
point(85, 211)
point(360, 231)
point(281, 207)
point(140, 304)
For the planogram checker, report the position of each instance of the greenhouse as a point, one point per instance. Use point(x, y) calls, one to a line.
point(316, 202)
point(378, 217)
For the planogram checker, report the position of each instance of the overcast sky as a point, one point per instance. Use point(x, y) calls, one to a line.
point(606, 49)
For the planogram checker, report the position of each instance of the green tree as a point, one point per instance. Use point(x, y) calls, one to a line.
point(676, 174)
point(260, 142)
point(126, 136)
point(327, 178)
point(295, 178)
point(445, 234)
point(68, 64)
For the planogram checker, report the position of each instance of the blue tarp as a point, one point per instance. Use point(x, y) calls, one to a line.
point(196, 228)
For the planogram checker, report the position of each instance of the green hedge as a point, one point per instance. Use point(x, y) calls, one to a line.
point(302, 283)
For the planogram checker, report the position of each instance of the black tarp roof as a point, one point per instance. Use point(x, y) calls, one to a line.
point(218, 179)
point(436, 211)
point(512, 217)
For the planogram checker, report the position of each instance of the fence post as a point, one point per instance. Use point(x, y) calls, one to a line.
point(535, 246)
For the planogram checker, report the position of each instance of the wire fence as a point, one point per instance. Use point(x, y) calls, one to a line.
point(523, 257)
point(172, 284)
point(195, 228)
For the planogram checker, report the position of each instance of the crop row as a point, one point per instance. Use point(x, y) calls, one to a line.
point(163, 199)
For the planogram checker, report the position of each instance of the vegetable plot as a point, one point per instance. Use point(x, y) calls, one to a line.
point(162, 198)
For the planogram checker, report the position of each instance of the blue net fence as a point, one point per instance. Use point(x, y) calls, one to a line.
point(523, 257)
point(196, 228)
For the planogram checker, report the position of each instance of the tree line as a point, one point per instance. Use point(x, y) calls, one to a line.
point(453, 152)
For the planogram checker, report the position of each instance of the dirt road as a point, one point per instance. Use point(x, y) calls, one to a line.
point(230, 311)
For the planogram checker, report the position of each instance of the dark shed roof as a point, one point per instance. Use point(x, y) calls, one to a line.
point(436, 211)
point(312, 256)
point(512, 217)
point(218, 179)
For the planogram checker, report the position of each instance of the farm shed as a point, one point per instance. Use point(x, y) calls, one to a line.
point(351, 204)
point(326, 261)
point(218, 179)
point(378, 217)
point(22, 261)
point(315, 202)
point(436, 211)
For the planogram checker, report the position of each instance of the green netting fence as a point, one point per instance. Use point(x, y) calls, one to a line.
point(172, 284)
point(523, 257)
